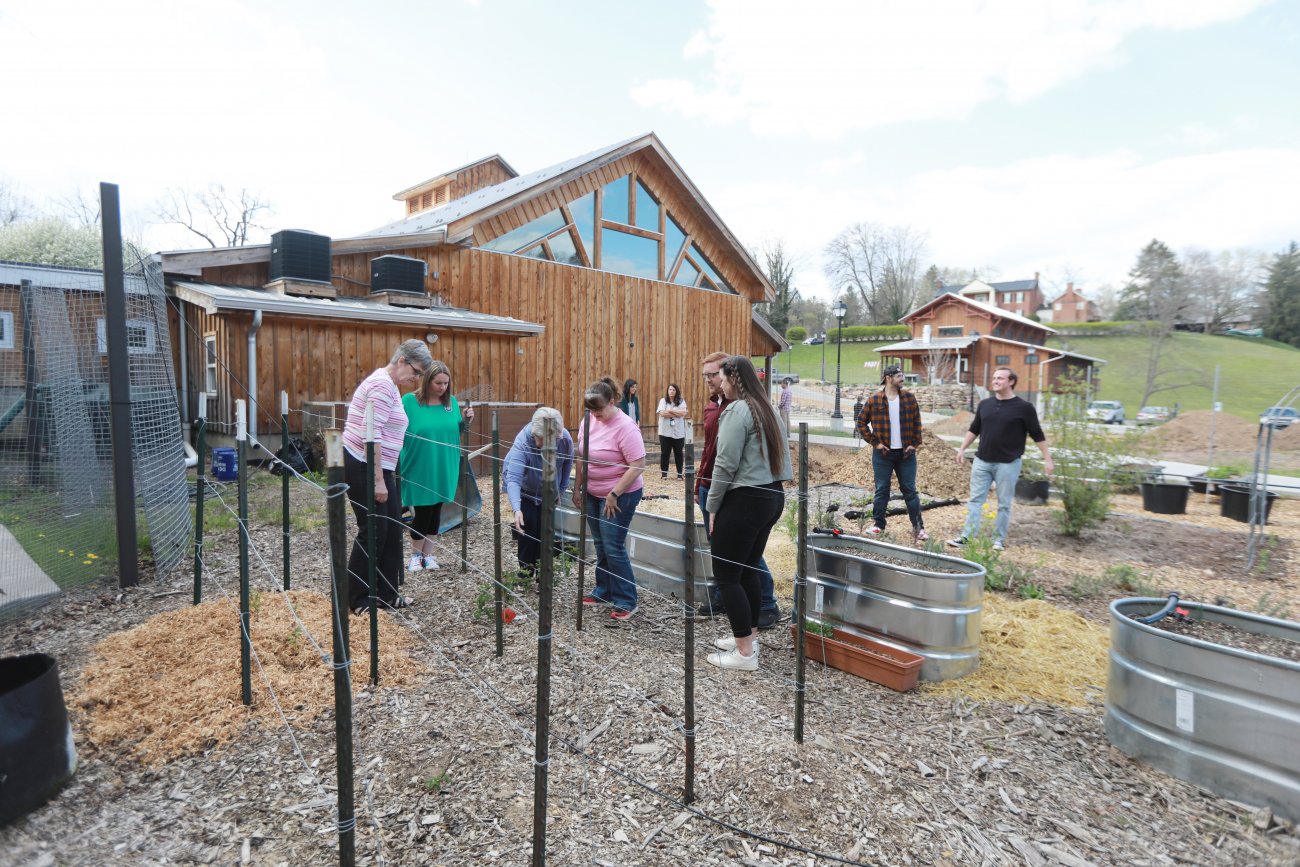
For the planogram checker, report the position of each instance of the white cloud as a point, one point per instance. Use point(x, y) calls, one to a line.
point(828, 67)
point(1050, 214)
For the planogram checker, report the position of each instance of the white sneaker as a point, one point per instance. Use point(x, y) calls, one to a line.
point(874, 531)
point(429, 562)
point(414, 565)
point(729, 643)
point(734, 659)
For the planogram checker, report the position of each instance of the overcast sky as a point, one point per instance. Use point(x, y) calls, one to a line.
point(1019, 136)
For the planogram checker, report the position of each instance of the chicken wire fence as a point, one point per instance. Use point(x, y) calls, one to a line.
point(57, 518)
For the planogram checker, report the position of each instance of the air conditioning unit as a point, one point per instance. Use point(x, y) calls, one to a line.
point(397, 274)
point(300, 255)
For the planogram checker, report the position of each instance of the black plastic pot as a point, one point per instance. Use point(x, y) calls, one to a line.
point(1234, 503)
point(1033, 492)
point(1201, 484)
point(1165, 498)
point(37, 755)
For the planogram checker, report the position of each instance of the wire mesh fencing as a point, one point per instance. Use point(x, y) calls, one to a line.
point(57, 520)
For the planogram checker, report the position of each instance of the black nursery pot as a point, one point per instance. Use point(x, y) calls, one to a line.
point(37, 755)
point(1032, 492)
point(1164, 498)
point(1234, 503)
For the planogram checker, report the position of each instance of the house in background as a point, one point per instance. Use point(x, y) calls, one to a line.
point(1070, 307)
point(532, 286)
point(956, 339)
point(1022, 297)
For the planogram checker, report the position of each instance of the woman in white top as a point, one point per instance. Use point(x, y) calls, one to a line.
point(672, 429)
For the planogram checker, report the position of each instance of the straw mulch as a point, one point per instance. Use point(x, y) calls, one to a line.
point(171, 686)
point(1030, 650)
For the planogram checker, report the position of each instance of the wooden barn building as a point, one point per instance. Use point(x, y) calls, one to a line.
point(956, 339)
point(531, 285)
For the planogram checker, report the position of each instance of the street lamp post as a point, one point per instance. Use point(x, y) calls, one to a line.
point(839, 311)
point(823, 356)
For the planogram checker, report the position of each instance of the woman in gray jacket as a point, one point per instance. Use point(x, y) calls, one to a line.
point(745, 502)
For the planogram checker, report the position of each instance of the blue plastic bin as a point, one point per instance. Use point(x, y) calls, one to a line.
point(225, 467)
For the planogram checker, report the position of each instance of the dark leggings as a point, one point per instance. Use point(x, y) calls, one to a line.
point(740, 531)
point(426, 522)
point(388, 534)
point(674, 445)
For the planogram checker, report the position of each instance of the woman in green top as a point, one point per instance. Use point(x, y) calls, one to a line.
point(430, 460)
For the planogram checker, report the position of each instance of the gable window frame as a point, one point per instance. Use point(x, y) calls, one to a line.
point(950, 331)
point(1031, 358)
point(6, 329)
point(1002, 360)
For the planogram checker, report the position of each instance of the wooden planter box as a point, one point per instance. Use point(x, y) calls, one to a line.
point(871, 660)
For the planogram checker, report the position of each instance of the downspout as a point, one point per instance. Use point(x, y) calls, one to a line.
point(252, 375)
point(181, 338)
point(1042, 399)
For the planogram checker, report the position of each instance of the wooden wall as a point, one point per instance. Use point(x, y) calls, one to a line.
point(476, 177)
point(596, 323)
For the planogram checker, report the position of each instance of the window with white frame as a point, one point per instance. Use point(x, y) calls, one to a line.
point(210, 363)
point(139, 336)
point(6, 329)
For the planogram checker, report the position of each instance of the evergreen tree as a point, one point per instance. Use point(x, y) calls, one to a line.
point(780, 272)
point(1283, 297)
point(1157, 292)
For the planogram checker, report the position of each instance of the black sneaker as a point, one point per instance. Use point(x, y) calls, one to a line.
point(768, 618)
point(959, 542)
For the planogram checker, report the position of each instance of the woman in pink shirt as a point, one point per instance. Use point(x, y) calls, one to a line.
point(381, 389)
point(613, 485)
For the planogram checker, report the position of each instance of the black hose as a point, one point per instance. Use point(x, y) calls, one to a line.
point(1162, 613)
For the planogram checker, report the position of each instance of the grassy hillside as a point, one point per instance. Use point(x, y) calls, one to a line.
point(1253, 373)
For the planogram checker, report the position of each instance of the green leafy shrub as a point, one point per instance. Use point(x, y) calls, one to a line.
point(796, 333)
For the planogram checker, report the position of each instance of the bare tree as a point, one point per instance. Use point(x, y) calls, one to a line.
point(220, 218)
point(1223, 286)
point(779, 267)
point(940, 365)
point(882, 264)
point(14, 207)
point(1157, 292)
point(78, 209)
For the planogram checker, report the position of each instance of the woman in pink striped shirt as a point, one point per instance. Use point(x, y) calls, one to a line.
point(382, 390)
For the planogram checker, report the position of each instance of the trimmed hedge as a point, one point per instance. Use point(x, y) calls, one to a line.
point(869, 332)
point(795, 333)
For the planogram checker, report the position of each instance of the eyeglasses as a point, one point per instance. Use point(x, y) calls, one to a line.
point(418, 371)
point(713, 374)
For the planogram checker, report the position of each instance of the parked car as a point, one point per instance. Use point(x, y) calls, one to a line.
point(814, 341)
point(1153, 415)
point(1279, 417)
point(1106, 411)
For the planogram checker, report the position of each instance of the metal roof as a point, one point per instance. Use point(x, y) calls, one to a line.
point(56, 277)
point(980, 305)
point(213, 297)
point(932, 343)
point(486, 197)
point(409, 190)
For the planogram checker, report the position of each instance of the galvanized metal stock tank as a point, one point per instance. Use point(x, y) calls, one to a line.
point(1216, 716)
point(656, 545)
point(910, 607)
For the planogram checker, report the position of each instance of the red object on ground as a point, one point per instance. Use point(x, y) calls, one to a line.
point(508, 615)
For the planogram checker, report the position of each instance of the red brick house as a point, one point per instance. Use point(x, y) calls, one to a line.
point(1070, 306)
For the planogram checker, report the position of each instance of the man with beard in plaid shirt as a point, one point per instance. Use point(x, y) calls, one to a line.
point(890, 422)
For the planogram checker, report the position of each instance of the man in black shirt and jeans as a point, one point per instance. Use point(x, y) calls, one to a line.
point(1002, 422)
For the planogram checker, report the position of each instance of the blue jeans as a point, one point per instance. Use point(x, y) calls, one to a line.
point(766, 590)
point(886, 464)
point(615, 582)
point(983, 474)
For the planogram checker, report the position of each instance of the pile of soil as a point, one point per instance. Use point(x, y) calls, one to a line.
point(1230, 636)
point(954, 425)
point(1190, 431)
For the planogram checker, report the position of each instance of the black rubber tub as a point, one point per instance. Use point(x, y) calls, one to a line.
point(1165, 498)
point(1033, 492)
point(37, 755)
point(1234, 503)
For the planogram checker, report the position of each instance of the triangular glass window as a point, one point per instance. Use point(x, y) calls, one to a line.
point(647, 209)
point(527, 234)
point(584, 220)
point(615, 197)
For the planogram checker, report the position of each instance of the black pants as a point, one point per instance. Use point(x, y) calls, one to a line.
point(674, 445)
point(388, 535)
point(426, 522)
point(740, 531)
point(530, 542)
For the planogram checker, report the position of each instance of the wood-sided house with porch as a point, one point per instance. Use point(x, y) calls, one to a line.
point(534, 285)
point(956, 339)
